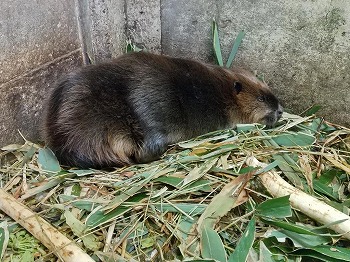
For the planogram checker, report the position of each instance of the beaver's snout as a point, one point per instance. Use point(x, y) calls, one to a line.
point(274, 116)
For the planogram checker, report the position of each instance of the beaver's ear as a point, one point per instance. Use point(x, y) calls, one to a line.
point(237, 86)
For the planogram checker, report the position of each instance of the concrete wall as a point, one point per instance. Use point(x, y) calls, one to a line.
point(38, 41)
point(301, 47)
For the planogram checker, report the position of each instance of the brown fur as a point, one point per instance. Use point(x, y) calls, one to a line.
point(130, 109)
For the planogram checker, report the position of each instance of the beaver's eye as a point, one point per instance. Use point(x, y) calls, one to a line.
point(238, 87)
point(261, 98)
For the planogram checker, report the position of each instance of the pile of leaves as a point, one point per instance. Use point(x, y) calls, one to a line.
point(199, 201)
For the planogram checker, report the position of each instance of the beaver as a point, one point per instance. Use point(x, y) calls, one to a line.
point(130, 109)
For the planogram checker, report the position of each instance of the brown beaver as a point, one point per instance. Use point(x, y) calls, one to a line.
point(130, 109)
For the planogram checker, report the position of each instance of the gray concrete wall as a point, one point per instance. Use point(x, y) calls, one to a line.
point(38, 41)
point(101, 26)
point(301, 47)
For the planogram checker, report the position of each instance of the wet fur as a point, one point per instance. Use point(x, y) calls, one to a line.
point(130, 109)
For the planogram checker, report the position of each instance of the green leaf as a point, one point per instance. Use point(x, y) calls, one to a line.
point(247, 169)
point(223, 202)
point(216, 43)
point(219, 151)
point(275, 208)
point(27, 256)
point(301, 240)
point(184, 208)
point(202, 184)
point(211, 245)
point(183, 230)
point(325, 253)
point(84, 204)
point(244, 244)
point(294, 139)
point(48, 161)
point(81, 172)
point(119, 199)
point(268, 167)
point(289, 226)
point(4, 238)
point(98, 217)
point(148, 242)
point(199, 260)
point(197, 142)
point(328, 176)
point(265, 254)
point(170, 180)
point(29, 154)
point(279, 251)
point(90, 241)
point(325, 190)
point(312, 110)
point(301, 236)
point(288, 167)
point(76, 190)
point(134, 230)
point(54, 181)
point(234, 49)
point(334, 252)
point(245, 127)
point(197, 172)
point(130, 47)
point(189, 159)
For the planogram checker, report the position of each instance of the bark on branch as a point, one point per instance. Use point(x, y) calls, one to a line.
point(310, 206)
point(55, 241)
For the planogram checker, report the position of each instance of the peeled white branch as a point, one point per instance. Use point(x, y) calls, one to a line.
point(55, 241)
point(310, 206)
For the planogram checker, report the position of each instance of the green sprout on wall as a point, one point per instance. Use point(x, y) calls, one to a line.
point(217, 48)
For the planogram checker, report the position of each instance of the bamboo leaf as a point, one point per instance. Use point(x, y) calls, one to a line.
point(98, 217)
point(211, 245)
point(188, 209)
point(197, 142)
point(294, 139)
point(48, 161)
point(265, 254)
point(4, 238)
point(228, 198)
point(313, 110)
point(197, 172)
point(244, 244)
point(90, 240)
point(118, 200)
point(216, 43)
point(300, 240)
point(81, 172)
point(54, 181)
point(325, 253)
point(234, 49)
point(275, 208)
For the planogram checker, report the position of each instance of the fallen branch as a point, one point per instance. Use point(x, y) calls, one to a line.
point(55, 241)
point(310, 206)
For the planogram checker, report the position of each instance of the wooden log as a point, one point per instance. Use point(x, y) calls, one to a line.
point(299, 200)
point(60, 245)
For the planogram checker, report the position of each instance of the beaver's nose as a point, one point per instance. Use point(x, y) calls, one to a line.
point(279, 111)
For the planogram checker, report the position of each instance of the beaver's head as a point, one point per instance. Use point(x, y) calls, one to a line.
point(254, 100)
